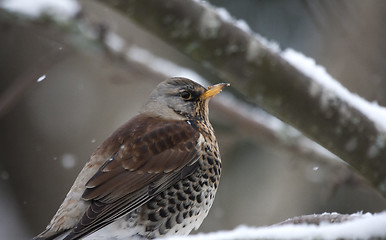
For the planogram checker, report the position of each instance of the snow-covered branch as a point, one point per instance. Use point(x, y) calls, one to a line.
point(271, 78)
point(330, 226)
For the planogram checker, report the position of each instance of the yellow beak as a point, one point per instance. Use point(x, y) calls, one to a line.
point(213, 90)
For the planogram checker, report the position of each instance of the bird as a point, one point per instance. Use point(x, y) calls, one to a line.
point(155, 176)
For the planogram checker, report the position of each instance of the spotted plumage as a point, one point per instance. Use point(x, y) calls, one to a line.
point(155, 176)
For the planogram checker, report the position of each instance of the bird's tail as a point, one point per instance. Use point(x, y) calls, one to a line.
point(47, 235)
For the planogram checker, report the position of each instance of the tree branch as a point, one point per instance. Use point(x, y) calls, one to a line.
point(265, 78)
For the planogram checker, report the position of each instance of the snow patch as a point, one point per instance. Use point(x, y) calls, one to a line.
point(253, 50)
point(210, 24)
point(61, 10)
point(115, 42)
point(223, 13)
point(227, 17)
point(243, 25)
point(271, 45)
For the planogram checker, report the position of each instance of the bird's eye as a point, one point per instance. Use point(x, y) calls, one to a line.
point(185, 94)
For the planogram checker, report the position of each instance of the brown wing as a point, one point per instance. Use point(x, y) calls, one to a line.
point(151, 155)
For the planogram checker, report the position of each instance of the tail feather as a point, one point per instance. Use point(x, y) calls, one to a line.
point(47, 235)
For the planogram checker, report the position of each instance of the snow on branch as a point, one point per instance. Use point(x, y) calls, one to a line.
point(278, 81)
point(60, 10)
point(330, 226)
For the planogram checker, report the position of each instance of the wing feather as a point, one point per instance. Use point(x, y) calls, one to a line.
point(151, 155)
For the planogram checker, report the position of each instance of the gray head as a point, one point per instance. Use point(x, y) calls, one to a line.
point(180, 98)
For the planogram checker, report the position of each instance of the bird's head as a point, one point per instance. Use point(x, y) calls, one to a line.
point(181, 98)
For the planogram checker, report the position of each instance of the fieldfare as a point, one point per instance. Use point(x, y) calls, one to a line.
point(155, 176)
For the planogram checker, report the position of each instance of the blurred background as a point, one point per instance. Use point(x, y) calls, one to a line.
point(52, 124)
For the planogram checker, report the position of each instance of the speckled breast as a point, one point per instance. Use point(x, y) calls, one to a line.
point(183, 207)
